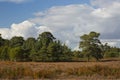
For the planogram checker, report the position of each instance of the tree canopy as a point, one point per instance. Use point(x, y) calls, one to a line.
point(47, 48)
point(90, 45)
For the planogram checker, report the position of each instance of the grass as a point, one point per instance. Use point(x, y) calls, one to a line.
point(60, 70)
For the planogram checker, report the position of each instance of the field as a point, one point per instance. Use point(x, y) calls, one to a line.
point(60, 70)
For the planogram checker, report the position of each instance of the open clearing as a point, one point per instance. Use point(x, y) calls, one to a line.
point(60, 70)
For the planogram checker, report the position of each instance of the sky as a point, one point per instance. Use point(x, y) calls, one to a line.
point(16, 11)
point(67, 20)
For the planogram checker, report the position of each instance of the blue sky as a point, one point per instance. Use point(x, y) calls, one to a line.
point(12, 12)
point(67, 20)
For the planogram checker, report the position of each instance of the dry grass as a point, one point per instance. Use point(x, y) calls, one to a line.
point(60, 70)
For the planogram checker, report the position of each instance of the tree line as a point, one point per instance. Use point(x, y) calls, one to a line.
point(47, 48)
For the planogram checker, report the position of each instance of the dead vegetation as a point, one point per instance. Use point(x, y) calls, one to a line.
point(60, 70)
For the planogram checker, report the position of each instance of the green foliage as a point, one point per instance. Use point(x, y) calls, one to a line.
point(4, 53)
point(16, 41)
point(66, 53)
point(3, 42)
point(43, 55)
point(54, 49)
point(45, 38)
point(77, 55)
point(105, 48)
point(112, 52)
point(47, 48)
point(30, 43)
point(18, 54)
point(90, 45)
point(32, 55)
point(14, 53)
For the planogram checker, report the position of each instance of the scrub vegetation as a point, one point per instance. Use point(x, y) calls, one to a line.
point(60, 70)
point(48, 58)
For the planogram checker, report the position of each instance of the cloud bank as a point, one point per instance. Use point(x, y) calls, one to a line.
point(69, 22)
point(25, 29)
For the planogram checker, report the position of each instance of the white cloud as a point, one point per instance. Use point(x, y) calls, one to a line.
point(103, 3)
point(101, 12)
point(111, 42)
point(69, 22)
point(72, 21)
point(14, 1)
point(25, 29)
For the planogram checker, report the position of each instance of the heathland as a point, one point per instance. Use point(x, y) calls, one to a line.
point(106, 69)
point(48, 58)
